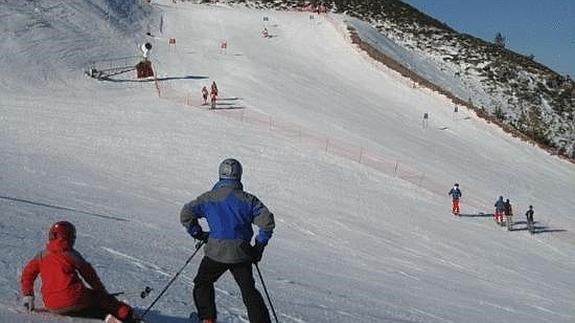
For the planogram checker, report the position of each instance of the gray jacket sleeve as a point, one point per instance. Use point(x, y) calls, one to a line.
point(190, 213)
point(264, 219)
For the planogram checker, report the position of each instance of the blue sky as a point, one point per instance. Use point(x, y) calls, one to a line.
point(544, 28)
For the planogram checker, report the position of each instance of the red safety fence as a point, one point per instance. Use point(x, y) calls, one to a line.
point(307, 137)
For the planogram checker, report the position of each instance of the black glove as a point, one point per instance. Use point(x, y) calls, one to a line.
point(198, 234)
point(257, 252)
point(202, 236)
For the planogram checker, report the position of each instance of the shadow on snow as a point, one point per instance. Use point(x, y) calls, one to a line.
point(159, 79)
point(479, 215)
point(537, 229)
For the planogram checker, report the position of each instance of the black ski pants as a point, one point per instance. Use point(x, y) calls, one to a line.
point(204, 294)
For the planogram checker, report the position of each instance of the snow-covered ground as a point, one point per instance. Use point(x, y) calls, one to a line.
point(353, 243)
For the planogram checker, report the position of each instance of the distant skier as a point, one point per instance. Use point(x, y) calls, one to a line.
point(214, 88)
point(205, 95)
point(455, 193)
point(230, 213)
point(213, 98)
point(507, 209)
point(499, 209)
point(63, 272)
point(455, 111)
point(530, 222)
point(425, 123)
point(265, 33)
point(213, 95)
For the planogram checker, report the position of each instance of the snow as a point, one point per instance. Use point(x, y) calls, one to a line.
point(358, 188)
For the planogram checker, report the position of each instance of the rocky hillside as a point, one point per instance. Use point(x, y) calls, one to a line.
point(513, 90)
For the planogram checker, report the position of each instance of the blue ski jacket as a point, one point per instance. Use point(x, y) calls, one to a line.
point(500, 205)
point(455, 193)
point(230, 213)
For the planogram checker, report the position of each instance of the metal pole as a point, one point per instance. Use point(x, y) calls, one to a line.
point(266, 291)
point(198, 246)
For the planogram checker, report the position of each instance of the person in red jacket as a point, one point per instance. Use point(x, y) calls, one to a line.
point(61, 269)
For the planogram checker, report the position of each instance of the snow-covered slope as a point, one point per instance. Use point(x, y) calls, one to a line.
point(353, 241)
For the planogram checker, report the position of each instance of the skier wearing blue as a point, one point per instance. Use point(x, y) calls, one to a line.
point(499, 209)
point(230, 213)
point(455, 193)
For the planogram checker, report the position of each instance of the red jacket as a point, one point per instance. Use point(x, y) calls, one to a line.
point(59, 265)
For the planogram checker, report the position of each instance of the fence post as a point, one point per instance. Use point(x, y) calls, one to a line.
point(396, 168)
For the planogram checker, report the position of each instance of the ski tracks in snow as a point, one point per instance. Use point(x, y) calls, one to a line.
point(232, 315)
point(143, 264)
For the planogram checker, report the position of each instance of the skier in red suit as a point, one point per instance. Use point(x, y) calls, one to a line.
point(61, 269)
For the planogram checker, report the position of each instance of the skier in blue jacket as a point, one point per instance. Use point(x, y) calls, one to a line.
point(230, 213)
point(455, 193)
point(499, 209)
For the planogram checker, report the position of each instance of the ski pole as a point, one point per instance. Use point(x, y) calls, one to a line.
point(266, 291)
point(198, 246)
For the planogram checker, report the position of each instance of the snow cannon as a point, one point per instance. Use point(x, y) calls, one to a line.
point(144, 67)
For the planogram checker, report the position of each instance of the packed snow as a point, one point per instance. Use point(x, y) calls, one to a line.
point(330, 140)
